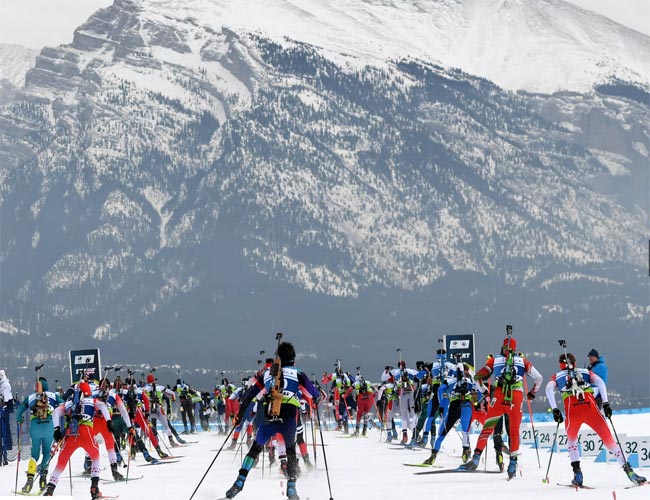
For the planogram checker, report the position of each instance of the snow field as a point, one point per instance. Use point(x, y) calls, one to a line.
point(360, 468)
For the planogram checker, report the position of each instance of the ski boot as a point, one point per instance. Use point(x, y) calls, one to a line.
point(233, 444)
point(94, 488)
point(177, 436)
point(389, 437)
point(148, 457)
point(405, 437)
point(308, 465)
point(185, 431)
point(49, 490)
point(423, 440)
point(172, 442)
point(116, 474)
point(512, 467)
point(577, 474)
point(633, 476)
point(237, 486)
point(42, 480)
point(292, 494)
point(29, 484)
point(499, 459)
point(87, 465)
point(431, 459)
point(346, 427)
point(192, 430)
point(161, 453)
point(365, 429)
point(472, 464)
point(467, 453)
point(356, 432)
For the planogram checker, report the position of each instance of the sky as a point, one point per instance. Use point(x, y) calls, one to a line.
point(37, 23)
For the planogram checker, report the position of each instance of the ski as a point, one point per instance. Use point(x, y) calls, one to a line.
point(577, 487)
point(107, 497)
point(159, 463)
point(173, 457)
point(460, 471)
point(646, 483)
point(433, 466)
point(411, 448)
point(37, 493)
point(110, 481)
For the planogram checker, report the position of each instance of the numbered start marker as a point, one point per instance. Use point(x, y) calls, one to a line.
point(590, 444)
point(637, 450)
point(544, 435)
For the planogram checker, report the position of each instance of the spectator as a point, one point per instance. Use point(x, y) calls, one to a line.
point(598, 366)
point(7, 403)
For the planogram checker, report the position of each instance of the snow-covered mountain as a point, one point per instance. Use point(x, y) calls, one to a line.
point(170, 175)
point(535, 45)
point(15, 61)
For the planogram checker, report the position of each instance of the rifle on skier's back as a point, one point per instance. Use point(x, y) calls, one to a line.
point(275, 396)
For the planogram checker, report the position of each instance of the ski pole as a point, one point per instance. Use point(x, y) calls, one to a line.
point(232, 429)
point(17, 460)
point(324, 454)
point(532, 422)
point(128, 463)
point(557, 428)
point(617, 440)
point(313, 438)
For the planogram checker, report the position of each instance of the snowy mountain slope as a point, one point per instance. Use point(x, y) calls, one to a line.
point(161, 176)
point(535, 45)
point(15, 61)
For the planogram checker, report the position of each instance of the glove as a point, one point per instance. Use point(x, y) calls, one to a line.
point(146, 415)
point(110, 426)
point(607, 410)
point(131, 431)
point(557, 416)
point(530, 395)
point(58, 435)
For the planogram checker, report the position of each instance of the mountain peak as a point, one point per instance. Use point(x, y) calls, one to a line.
point(534, 45)
point(15, 61)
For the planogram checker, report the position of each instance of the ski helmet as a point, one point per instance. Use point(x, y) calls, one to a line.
point(150, 378)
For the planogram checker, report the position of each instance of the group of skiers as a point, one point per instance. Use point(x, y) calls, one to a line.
point(270, 408)
point(493, 396)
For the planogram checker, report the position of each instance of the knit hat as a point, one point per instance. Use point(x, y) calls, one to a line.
point(150, 378)
point(85, 389)
point(510, 343)
point(593, 353)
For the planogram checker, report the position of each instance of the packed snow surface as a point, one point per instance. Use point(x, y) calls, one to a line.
point(359, 468)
